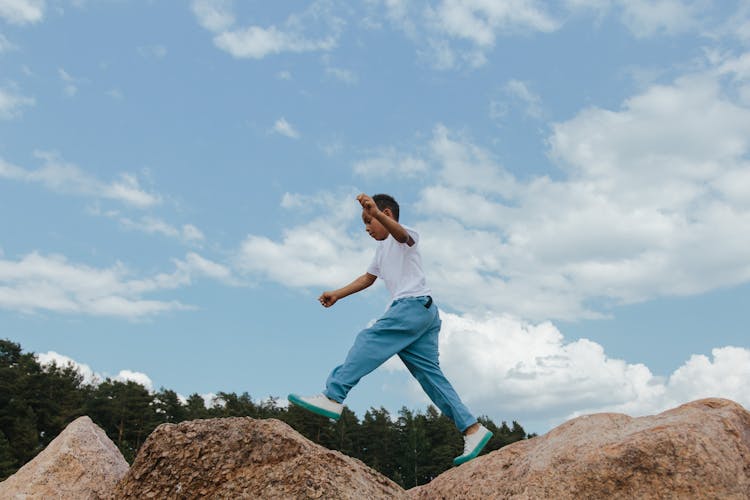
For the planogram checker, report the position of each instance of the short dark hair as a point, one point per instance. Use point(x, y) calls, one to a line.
point(384, 201)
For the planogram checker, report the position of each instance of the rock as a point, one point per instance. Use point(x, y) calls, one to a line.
point(698, 450)
point(80, 463)
point(246, 458)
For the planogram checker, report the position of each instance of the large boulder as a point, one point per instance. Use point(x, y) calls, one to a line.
point(246, 458)
point(698, 450)
point(80, 463)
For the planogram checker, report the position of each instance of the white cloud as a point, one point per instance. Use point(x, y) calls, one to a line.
point(62, 177)
point(214, 15)
point(50, 357)
point(481, 21)
point(645, 193)
point(285, 128)
point(137, 377)
point(11, 103)
point(188, 233)
point(51, 283)
point(22, 11)
point(451, 34)
point(388, 162)
point(321, 252)
point(502, 366)
point(211, 400)
point(89, 376)
point(196, 265)
point(532, 102)
point(257, 42)
point(441, 29)
point(645, 18)
point(191, 233)
point(310, 255)
point(648, 17)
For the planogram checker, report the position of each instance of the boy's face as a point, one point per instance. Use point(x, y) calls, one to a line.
point(373, 226)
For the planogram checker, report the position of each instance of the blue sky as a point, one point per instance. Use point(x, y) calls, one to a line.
point(177, 184)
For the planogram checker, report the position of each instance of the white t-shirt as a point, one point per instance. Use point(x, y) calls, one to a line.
point(400, 266)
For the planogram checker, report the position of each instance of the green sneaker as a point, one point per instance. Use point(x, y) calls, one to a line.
point(473, 444)
point(318, 404)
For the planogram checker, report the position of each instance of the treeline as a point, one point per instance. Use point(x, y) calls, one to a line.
point(37, 402)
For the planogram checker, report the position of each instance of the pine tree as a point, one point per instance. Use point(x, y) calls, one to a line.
point(380, 441)
point(195, 407)
point(8, 464)
point(126, 412)
point(169, 407)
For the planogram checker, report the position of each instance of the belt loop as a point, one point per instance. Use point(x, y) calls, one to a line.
point(428, 303)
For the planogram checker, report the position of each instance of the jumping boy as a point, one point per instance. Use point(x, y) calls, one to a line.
point(409, 327)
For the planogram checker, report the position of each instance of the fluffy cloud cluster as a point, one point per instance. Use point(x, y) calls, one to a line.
point(257, 42)
point(63, 177)
point(323, 252)
point(22, 11)
point(455, 33)
point(89, 376)
point(50, 283)
point(647, 192)
point(502, 366)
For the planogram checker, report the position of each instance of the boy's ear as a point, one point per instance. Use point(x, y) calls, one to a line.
point(389, 213)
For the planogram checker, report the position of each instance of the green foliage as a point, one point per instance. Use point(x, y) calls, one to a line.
point(36, 403)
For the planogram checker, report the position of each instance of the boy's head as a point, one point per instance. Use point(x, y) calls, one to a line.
point(384, 201)
point(388, 206)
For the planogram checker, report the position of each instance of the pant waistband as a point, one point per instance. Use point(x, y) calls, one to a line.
point(420, 297)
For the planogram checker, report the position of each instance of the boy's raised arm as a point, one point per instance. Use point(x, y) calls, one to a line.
point(327, 299)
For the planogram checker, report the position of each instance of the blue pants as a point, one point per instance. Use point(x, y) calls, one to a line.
point(411, 331)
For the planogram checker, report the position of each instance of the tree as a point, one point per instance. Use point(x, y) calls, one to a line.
point(195, 407)
point(444, 441)
point(231, 405)
point(18, 421)
point(346, 434)
point(56, 394)
point(168, 407)
point(314, 427)
point(379, 441)
point(126, 412)
point(8, 464)
point(37, 402)
point(414, 450)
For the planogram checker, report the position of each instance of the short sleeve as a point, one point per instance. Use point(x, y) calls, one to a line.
point(374, 267)
point(414, 235)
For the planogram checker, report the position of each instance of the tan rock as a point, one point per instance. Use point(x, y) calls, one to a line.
point(698, 450)
point(80, 463)
point(246, 458)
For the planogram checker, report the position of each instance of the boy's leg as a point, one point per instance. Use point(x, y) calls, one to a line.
point(421, 358)
point(402, 324)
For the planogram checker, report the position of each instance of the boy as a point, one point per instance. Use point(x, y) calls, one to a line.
point(409, 327)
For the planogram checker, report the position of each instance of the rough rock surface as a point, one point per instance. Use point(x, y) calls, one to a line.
point(80, 463)
point(246, 458)
point(698, 450)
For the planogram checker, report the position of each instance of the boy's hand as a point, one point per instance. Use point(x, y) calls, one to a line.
point(368, 205)
point(327, 299)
